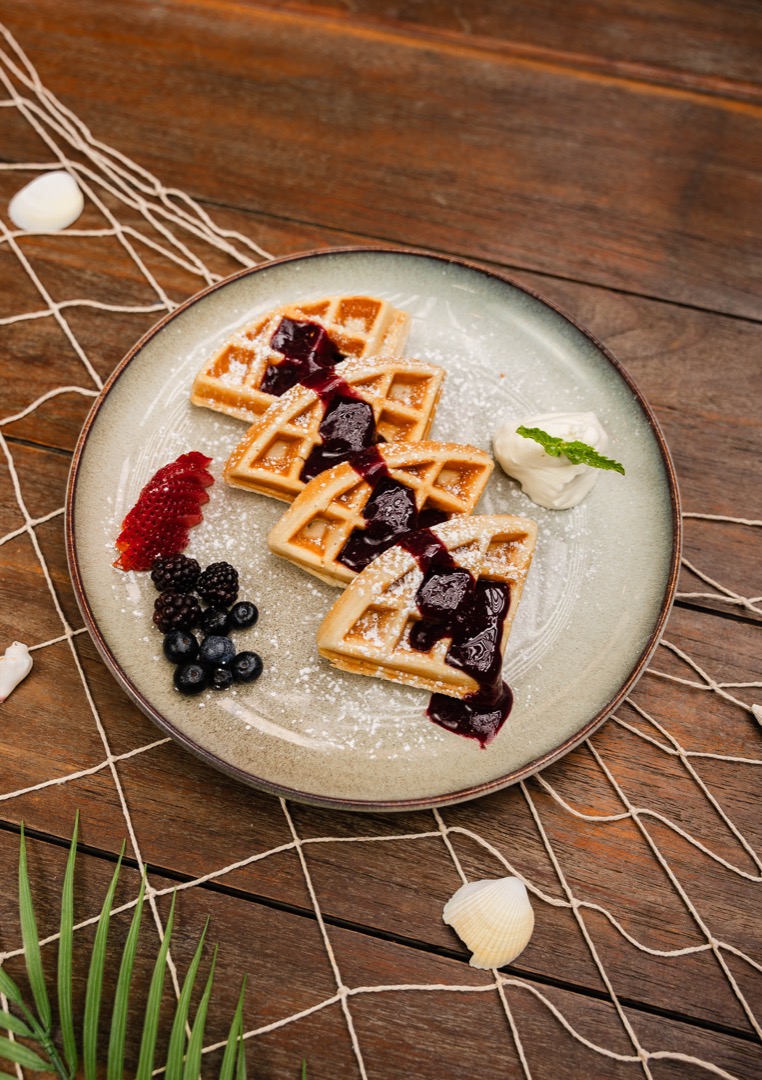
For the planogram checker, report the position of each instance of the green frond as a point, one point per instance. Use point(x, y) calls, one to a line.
point(95, 981)
point(192, 1069)
point(14, 1024)
point(22, 1055)
point(31, 941)
point(227, 1069)
point(240, 1065)
point(176, 1051)
point(9, 988)
point(153, 1004)
point(115, 1064)
point(65, 952)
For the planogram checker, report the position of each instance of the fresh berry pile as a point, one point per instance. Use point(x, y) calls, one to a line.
point(209, 660)
point(167, 507)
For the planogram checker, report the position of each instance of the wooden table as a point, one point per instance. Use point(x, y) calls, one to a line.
point(608, 158)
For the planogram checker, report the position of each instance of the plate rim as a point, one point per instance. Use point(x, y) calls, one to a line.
point(337, 802)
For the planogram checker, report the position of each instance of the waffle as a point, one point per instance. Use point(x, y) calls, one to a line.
point(313, 531)
point(367, 629)
point(359, 326)
point(403, 395)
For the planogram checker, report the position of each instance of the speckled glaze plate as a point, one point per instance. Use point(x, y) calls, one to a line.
point(595, 601)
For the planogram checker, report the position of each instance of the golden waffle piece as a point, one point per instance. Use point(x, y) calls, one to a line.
point(403, 395)
point(359, 326)
point(367, 629)
point(313, 531)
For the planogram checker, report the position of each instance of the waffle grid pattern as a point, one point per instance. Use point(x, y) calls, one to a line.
point(368, 628)
point(173, 230)
point(402, 393)
point(313, 531)
point(358, 326)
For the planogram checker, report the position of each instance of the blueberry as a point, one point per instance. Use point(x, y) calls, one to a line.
point(191, 678)
point(243, 614)
point(215, 621)
point(216, 651)
point(247, 667)
point(180, 647)
point(221, 678)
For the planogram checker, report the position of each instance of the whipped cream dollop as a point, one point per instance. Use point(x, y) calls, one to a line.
point(48, 204)
point(552, 482)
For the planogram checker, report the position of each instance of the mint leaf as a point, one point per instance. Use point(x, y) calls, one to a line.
point(578, 453)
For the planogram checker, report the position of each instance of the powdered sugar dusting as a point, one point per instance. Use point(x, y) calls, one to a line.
point(499, 361)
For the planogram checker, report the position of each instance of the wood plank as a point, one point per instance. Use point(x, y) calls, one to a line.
point(377, 883)
point(271, 948)
point(680, 42)
point(613, 182)
point(461, 1030)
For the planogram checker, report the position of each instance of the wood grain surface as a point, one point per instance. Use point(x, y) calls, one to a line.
point(608, 157)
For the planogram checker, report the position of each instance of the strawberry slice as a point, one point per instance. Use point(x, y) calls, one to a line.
point(168, 506)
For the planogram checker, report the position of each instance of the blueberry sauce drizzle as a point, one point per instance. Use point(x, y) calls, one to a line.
point(306, 348)
point(389, 514)
point(472, 614)
point(348, 425)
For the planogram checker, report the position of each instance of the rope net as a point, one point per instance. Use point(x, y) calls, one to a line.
point(176, 248)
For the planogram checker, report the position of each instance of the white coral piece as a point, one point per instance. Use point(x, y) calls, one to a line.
point(493, 918)
point(15, 665)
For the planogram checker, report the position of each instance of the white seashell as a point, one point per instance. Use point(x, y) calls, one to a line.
point(15, 665)
point(493, 918)
point(757, 712)
point(49, 203)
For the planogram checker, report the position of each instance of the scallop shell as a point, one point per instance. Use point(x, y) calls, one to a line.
point(49, 203)
point(15, 665)
point(493, 918)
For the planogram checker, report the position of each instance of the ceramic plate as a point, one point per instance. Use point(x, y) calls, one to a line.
point(594, 604)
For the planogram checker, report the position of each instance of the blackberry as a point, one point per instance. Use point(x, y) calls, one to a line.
point(218, 584)
point(247, 667)
point(177, 572)
point(242, 615)
point(176, 611)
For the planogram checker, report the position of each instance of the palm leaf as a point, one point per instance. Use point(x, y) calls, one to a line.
point(65, 949)
point(22, 1055)
point(115, 1065)
point(153, 1005)
point(31, 941)
point(9, 988)
point(174, 1066)
point(240, 1065)
point(14, 1024)
point(95, 981)
point(227, 1068)
point(192, 1068)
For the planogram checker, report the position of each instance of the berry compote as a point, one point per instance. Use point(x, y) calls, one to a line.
point(472, 614)
point(348, 425)
point(390, 513)
point(306, 348)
